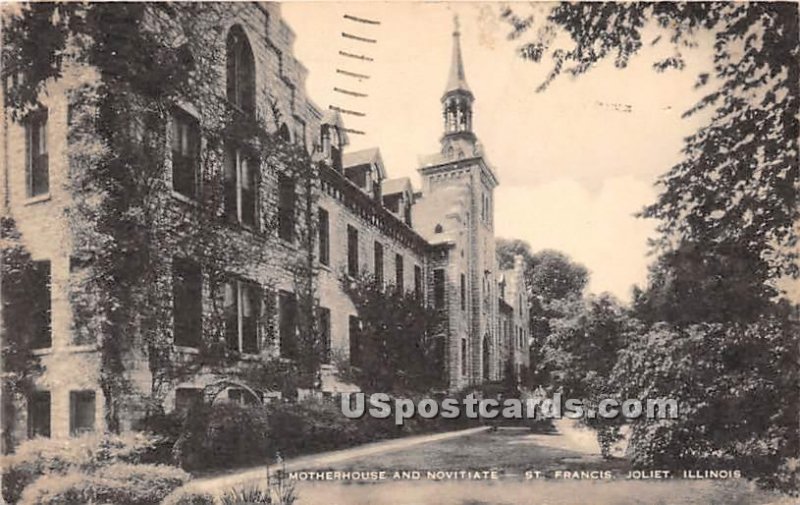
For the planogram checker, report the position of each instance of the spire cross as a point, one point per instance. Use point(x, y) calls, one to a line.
point(455, 24)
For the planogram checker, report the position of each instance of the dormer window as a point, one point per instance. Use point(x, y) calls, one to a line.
point(332, 145)
point(241, 75)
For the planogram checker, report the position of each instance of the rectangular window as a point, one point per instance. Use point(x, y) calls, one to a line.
point(324, 238)
point(242, 310)
point(241, 188)
point(418, 281)
point(463, 356)
point(81, 412)
point(37, 164)
point(39, 414)
point(438, 288)
point(463, 292)
point(286, 207)
point(287, 305)
point(40, 312)
point(187, 302)
point(399, 273)
point(325, 334)
point(355, 341)
point(352, 251)
point(185, 154)
point(378, 263)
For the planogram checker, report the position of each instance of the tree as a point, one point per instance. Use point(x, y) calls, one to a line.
point(727, 215)
point(737, 184)
point(736, 384)
point(692, 284)
point(400, 342)
point(581, 351)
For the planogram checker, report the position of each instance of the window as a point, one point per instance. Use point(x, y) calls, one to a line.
point(325, 334)
point(398, 272)
point(379, 263)
point(187, 302)
point(352, 251)
point(241, 187)
point(286, 203)
point(287, 305)
point(355, 341)
point(463, 356)
point(39, 414)
point(463, 292)
point(244, 397)
point(241, 80)
point(283, 133)
point(242, 311)
point(438, 288)
point(324, 238)
point(186, 398)
point(37, 168)
point(40, 315)
point(185, 154)
point(438, 229)
point(81, 412)
point(418, 281)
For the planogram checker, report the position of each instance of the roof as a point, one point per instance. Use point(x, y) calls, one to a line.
point(456, 80)
point(365, 157)
point(397, 185)
point(334, 118)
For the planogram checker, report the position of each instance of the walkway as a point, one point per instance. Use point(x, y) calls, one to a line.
point(249, 476)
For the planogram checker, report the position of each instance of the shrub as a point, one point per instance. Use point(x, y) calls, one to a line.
point(183, 496)
point(225, 434)
point(40, 456)
point(117, 483)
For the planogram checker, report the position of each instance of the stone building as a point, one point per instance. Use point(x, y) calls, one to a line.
point(438, 241)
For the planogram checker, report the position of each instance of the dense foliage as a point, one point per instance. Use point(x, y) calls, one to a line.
point(716, 336)
point(47, 457)
point(400, 343)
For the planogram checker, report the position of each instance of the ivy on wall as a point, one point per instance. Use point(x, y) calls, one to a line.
point(130, 66)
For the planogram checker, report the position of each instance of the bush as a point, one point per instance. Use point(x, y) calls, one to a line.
point(225, 434)
point(117, 483)
point(40, 456)
point(183, 496)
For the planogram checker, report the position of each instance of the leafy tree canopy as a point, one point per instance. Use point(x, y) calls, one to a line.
point(738, 180)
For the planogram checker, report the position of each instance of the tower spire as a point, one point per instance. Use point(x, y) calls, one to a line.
point(458, 139)
point(456, 80)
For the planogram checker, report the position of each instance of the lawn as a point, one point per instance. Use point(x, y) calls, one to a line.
point(513, 452)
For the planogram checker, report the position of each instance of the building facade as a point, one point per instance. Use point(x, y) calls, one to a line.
point(438, 241)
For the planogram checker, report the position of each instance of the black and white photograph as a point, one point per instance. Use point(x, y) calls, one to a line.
point(400, 252)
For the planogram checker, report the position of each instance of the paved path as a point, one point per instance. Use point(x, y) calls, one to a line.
point(248, 476)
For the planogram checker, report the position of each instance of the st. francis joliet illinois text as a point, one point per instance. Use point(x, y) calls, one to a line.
point(400, 253)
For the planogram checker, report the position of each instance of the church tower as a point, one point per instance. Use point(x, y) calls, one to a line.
point(458, 140)
point(455, 214)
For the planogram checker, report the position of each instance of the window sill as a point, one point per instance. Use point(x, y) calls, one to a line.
point(185, 199)
point(42, 351)
point(186, 349)
point(37, 199)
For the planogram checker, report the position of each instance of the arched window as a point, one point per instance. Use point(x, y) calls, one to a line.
point(438, 229)
point(241, 75)
point(283, 133)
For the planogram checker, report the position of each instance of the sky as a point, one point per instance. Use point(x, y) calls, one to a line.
point(575, 162)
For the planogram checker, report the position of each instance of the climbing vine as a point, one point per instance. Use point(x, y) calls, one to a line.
point(131, 66)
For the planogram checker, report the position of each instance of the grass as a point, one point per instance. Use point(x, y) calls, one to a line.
point(513, 452)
